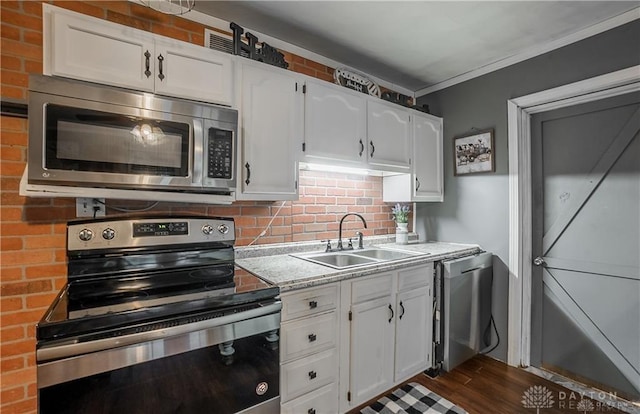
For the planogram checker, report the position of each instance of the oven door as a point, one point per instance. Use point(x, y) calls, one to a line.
point(224, 365)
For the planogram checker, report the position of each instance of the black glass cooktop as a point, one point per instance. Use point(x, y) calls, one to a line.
point(112, 303)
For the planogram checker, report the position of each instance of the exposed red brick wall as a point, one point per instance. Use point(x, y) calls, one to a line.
point(32, 230)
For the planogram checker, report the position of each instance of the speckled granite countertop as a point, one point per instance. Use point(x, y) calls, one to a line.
point(273, 265)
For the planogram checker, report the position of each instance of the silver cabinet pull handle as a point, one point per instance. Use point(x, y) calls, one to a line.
point(373, 148)
point(391, 317)
point(417, 184)
point(402, 308)
point(361, 148)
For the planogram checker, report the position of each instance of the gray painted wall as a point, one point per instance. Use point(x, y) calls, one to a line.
point(475, 207)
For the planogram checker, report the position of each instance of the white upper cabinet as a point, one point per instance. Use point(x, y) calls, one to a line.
point(95, 50)
point(194, 72)
point(335, 124)
point(428, 169)
point(426, 181)
point(91, 49)
point(389, 135)
point(348, 128)
point(270, 109)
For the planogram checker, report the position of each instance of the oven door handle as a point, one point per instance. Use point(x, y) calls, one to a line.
point(72, 347)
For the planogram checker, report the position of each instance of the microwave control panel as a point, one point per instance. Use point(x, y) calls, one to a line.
point(220, 154)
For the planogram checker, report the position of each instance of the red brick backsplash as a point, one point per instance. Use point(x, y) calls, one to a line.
point(32, 230)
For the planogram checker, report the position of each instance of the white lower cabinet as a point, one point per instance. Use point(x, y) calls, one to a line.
point(411, 354)
point(308, 350)
point(385, 336)
point(344, 343)
point(371, 365)
point(321, 401)
point(307, 374)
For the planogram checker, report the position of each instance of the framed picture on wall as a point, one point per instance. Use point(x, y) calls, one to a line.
point(473, 153)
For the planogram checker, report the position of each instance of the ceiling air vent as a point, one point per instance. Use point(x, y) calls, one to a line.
point(218, 41)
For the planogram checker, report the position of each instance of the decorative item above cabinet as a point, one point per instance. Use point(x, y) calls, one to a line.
point(87, 48)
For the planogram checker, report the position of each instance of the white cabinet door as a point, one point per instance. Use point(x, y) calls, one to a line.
point(95, 50)
point(372, 343)
point(428, 167)
point(271, 130)
point(335, 124)
point(389, 135)
point(192, 72)
point(426, 181)
point(413, 332)
point(86, 48)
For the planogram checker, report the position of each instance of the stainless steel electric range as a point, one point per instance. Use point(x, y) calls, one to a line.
point(156, 318)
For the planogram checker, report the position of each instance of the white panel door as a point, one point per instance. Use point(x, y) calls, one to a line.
point(271, 130)
point(372, 348)
point(389, 135)
point(413, 332)
point(335, 124)
point(193, 72)
point(95, 50)
point(586, 289)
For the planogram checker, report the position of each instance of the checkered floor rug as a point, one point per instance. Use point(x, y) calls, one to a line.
point(412, 398)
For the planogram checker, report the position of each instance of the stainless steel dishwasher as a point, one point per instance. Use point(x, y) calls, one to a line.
point(465, 308)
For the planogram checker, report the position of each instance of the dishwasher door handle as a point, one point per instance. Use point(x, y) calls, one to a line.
point(473, 269)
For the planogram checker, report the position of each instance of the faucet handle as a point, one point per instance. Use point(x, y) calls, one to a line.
point(350, 245)
point(328, 241)
point(360, 239)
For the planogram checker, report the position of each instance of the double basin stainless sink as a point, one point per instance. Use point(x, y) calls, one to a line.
point(345, 259)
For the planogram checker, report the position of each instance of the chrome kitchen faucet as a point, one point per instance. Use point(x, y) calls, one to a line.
point(350, 246)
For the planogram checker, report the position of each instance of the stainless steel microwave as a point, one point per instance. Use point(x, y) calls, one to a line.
point(90, 135)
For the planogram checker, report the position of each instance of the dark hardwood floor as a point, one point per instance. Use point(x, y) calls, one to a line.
point(484, 385)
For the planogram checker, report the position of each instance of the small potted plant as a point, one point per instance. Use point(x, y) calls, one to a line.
point(401, 216)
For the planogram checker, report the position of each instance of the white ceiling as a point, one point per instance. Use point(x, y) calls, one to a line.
point(418, 44)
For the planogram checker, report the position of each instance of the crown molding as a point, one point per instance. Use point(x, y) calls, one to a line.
point(537, 50)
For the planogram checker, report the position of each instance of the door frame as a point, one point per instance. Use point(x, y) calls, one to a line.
point(519, 112)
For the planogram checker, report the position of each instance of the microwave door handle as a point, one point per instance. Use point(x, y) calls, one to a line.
point(198, 143)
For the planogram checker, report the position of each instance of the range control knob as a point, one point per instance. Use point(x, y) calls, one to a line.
point(85, 235)
point(108, 234)
point(223, 228)
point(207, 229)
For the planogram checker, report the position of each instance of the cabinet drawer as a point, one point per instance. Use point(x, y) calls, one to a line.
point(415, 277)
point(372, 288)
point(308, 374)
point(321, 401)
point(306, 336)
point(309, 301)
